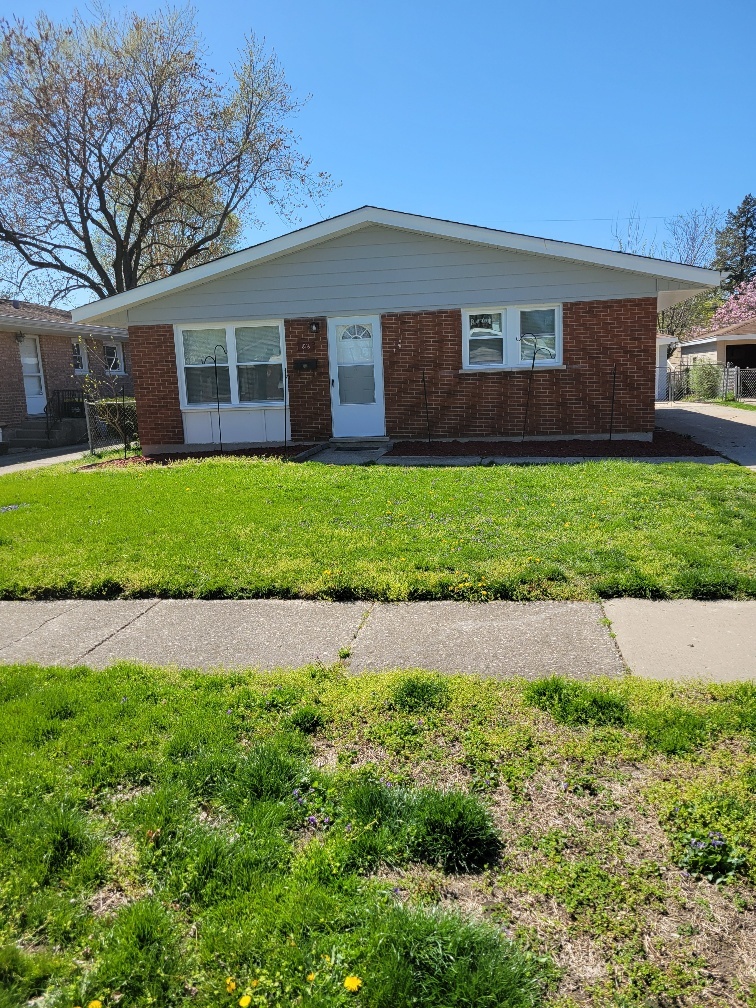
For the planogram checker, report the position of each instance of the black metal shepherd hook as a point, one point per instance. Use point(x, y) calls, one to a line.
point(427, 414)
point(530, 380)
point(124, 424)
point(214, 359)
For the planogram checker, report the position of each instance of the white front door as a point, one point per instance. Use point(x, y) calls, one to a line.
point(356, 369)
point(31, 369)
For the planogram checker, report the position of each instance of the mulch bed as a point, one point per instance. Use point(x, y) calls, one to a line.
point(664, 444)
point(290, 451)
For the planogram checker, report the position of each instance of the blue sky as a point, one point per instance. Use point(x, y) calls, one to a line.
point(549, 118)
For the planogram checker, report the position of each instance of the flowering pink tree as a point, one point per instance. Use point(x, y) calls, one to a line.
point(740, 307)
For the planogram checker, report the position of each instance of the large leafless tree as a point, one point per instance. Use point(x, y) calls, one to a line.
point(123, 156)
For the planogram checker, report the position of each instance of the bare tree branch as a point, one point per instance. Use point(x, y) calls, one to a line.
point(123, 158)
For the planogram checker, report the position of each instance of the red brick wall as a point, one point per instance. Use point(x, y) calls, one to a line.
point(12, 398)
point(153, 357)
point(309, 391)
point(576, 400)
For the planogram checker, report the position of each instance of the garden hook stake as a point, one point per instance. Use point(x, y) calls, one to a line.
point(214, 359)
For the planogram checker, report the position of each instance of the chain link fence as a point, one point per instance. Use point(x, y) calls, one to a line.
point(705, 381)
point(111, 424)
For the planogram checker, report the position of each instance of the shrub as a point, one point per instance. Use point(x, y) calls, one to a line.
point(420, 692)
point(575, 703)
point(705, 380)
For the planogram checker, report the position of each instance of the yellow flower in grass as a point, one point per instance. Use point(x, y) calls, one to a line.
point(310, 977)
point(245, 1001)
point(352, 983)
point(95, 1004)
point(230, 985)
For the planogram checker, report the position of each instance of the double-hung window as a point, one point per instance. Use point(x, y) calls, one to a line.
point(113, 356)
point(246, 361)
point(79, 356)
point(513, 337)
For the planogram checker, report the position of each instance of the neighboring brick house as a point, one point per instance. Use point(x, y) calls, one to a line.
point(43, 356)
point(382, 324)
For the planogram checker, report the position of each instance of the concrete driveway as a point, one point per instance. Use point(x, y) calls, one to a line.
point(725, 429)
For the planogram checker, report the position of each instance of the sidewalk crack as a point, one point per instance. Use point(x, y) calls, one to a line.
point(128, 623)
point(36, 629)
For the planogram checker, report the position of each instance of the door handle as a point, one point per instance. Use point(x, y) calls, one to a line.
point(333, 382)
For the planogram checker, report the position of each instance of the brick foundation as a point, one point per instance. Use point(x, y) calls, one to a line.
point(573, 401)
point(309, 391)
point(156, 385)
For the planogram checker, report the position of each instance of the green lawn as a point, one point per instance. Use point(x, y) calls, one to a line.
point(246, 528)
point(736, 403)
point(174, 838)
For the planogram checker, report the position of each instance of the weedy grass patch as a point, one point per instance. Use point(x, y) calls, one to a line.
point(317, 838)
point(251, 528)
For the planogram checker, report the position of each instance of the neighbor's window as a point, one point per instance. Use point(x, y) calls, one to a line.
point(249, 361)
point(113, 356)
point(79, 356)
point(513, 337)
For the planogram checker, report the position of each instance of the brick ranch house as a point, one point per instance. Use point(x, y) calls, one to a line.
point(348, 327)
point(45, 359)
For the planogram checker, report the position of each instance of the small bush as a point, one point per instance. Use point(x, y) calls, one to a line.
point(306, 719)
point(575, 703)
point(419, 692)
point(452, 830)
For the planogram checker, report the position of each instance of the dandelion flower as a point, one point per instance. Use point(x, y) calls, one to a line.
point(310, 977)
point(230, 985)
point(353, 983)
point(245, 1001)
point(95, 1004)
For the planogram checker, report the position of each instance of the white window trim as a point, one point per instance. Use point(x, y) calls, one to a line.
point(84, 356)
point(119, 351)
point(229, 328)
point(510, 332)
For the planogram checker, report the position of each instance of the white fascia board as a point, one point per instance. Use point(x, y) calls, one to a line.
point(696, 276)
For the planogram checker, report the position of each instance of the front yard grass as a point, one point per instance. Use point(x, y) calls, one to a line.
point(311, 837)
point(241, 528)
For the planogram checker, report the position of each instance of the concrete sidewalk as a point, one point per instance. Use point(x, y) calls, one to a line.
point(711, 640)
point(19, 461)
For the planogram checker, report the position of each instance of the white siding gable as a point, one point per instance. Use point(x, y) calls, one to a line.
point(378, 269)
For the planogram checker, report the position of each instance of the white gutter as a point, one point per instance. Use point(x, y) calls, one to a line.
point(46, 327)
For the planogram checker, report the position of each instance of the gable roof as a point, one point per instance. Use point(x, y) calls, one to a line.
point(695, 276)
